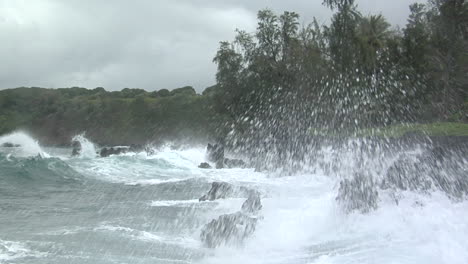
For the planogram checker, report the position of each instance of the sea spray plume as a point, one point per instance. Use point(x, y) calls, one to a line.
point(358, 193)
point(293, 93)
point(86, 147)
point(287, 88)
point(27, 145)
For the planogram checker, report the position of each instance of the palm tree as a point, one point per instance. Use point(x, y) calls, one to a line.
point(372, 35)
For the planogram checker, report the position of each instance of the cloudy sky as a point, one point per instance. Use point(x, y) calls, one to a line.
point(150, 44)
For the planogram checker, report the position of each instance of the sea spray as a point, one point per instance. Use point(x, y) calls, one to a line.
point(87, 148)
point(24, 145)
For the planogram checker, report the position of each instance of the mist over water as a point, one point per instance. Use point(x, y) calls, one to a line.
point(144, 208)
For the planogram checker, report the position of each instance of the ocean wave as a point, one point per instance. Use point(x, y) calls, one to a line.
point(36, 171)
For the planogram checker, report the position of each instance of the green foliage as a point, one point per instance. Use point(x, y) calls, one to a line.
point(118, 117)
point(353, 74)
point(187, 90)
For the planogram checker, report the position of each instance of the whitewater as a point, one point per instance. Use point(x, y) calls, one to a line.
point(144, 208)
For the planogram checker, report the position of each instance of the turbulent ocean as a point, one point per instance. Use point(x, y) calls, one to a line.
point(144, 208)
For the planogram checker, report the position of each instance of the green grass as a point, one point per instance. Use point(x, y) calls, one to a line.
point(431, 129)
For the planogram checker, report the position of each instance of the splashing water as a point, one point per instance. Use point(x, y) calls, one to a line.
point(88, 149)
point(24, 145)
point(139, 208)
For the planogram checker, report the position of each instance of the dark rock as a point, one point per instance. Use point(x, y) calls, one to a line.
point(358, 194)
point(204, 165)
point(253, 203)
point(10, 145)
point(406, 174)
point(229, 229)
point(219, 190)
point(215, 153)
point(149, 151)
point(76, 148)
point(222, 190)
point(106, 152)
point(234, 163)
point(436, 168)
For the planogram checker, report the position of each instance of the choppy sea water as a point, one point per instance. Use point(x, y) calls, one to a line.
point(139, 208)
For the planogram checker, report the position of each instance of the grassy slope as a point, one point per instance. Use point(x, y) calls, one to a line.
point(431, 129)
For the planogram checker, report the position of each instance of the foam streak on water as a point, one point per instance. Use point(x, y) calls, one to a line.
point(141, 208)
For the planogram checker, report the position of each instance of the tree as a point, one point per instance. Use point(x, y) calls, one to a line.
point(338, 3)
point(372, 34)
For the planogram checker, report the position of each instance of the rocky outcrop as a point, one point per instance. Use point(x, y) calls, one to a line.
point(253, 204)
point(231, 229)
point(76, 148)
point(215, 154)
point(219, 190)
point(437, 168)
point(222, 190)
point(234, 163)
point(106, 152)
point(228, 229)
point(117, 150)
point(204, 165)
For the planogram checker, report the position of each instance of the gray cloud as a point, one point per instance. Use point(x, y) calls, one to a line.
point(145, 44)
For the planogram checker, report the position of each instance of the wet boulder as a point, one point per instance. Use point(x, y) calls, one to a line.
point(234, 163)
point(223, 190)
point(228, 229)
point(204, 165)
point(215, 154)
point(149, 150)
point(407, 174)
point(436, 168)
point(76, 148)
point(358, 194)
point(253, 203)
point(106, 152)
point(219, 190)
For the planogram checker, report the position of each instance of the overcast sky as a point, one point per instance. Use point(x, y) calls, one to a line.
point(149, 44)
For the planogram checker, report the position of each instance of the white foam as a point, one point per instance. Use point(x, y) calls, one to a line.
point(10, 250)
point(302, 224)
point(174, 203)
point(166, 165)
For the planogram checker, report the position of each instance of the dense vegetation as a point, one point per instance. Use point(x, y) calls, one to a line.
point(279, 83)
point(129, 116)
